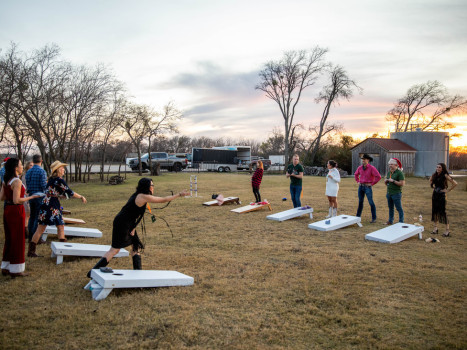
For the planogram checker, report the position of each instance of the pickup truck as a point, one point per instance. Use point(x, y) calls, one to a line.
point(163, 159)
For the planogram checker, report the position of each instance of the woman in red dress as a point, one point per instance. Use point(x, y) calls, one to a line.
point(12, 193)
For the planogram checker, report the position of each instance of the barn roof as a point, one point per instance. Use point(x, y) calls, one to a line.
point(390, 144)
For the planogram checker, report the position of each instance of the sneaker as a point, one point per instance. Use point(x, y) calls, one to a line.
point(373, 221)
point(388, 223)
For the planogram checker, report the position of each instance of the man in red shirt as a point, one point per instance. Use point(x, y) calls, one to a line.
point(366, 176)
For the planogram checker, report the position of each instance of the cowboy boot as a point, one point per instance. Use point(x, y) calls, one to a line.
point(32, 250)
point(330, 213)
point(101, 263)
point(137, 262)
point(334, 211)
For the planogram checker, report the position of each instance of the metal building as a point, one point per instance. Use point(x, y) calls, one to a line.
point(381, 150)
point(432, 148)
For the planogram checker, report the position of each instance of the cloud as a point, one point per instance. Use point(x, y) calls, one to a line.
point(214, 80)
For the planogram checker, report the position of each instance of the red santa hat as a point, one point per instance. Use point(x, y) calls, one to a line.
point(397, 161)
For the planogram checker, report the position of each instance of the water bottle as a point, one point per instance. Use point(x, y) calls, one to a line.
point(420, 218)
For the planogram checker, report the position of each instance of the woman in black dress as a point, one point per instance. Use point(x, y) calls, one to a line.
point(50, 212)
point(124, 225)
point(439, 183)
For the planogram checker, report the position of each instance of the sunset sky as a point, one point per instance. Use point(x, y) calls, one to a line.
point(206, 55)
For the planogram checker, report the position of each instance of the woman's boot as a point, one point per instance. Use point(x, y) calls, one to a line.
point(137, 262)
point(330, 213)
point(32, 250)
point(101, 263)
point(334, 211)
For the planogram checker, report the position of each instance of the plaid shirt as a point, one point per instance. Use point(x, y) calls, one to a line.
point(36, 180)
point(257, 177)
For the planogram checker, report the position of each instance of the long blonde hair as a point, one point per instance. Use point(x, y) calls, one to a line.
point(260, 165)
point(26, 168)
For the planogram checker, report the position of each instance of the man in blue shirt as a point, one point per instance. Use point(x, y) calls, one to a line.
point(36, 181)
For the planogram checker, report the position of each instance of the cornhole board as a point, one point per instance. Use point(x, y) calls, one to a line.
point(102, 283)
point(64, 211)
point(251, 207)
point(73, 231)
point(73, 221)
point(395, 233)
point(335, 223)
point(61, 249)
point(227, 200)
point(291, 213)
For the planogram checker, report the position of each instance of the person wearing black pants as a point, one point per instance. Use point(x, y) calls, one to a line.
point(256, 180)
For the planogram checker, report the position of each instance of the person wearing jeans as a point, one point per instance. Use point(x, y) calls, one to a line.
point(366, 176)
point(36, 182)
point(394, 181)
point(295, 173)
point(366, 190)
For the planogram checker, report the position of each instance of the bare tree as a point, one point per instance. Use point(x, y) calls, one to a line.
point(340, 86)
point(11, 118)
point(311, 140)
point(426, 106)
point(111, 119)
point(274, 144)
point(283, 81)
point(134, 122)
point(179, 144)
point(160, 123)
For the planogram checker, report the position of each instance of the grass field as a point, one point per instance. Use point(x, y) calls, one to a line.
point(259, 284)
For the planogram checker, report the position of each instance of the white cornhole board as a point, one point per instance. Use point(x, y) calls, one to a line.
point(290, 214)
point(73, 221)
point(251, 207)
point(61, 249)
point(73, 231)
point(226, 201)
point(335, 223)
point(395, 233)
point(102, 283)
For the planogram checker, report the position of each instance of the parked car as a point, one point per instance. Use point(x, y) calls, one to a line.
point(165, 161)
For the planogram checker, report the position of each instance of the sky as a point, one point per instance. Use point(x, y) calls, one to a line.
point(205, 55)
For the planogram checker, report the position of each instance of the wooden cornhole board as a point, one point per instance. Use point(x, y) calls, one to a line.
point(64, 211)
point(395, 233)
point(73, 221)
point(227, 200)
point(61, 249)
point(251, 207)
point(290, 214)
point(335, 223)
point(102, 283)
point(73, 231)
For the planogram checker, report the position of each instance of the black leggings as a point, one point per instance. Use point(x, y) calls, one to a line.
point(257, 194)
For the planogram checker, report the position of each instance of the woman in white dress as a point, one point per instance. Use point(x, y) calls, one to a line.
point(332, 187)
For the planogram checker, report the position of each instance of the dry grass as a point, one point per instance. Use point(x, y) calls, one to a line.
point(258, 283)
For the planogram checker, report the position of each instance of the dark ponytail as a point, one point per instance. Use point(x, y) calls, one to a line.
point(10, 169)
